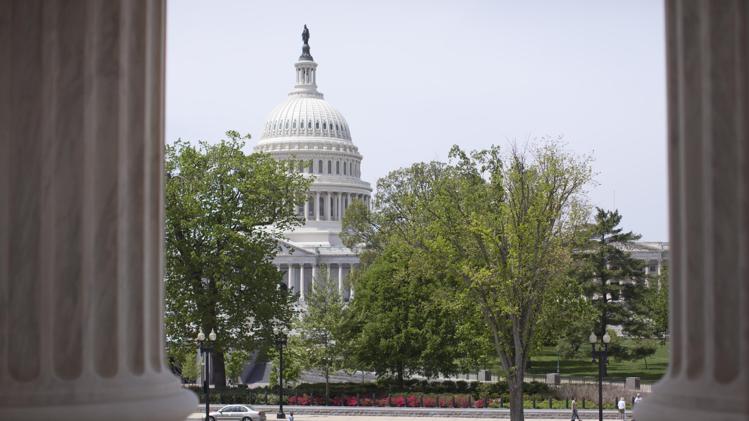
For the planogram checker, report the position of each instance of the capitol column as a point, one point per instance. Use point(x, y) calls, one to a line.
point(708, 141)
point(340, 279)
point(317, 206)
point(82, 213)
point(301, 283)
point(306, 208)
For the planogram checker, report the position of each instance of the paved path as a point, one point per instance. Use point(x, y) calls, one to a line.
point(322, 413)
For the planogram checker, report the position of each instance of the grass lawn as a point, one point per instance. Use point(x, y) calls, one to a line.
point(546, 362)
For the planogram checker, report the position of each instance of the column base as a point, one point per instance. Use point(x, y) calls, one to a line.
point(665, 405)
point(174, 407)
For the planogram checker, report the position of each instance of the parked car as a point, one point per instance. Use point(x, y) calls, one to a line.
point(237, 412)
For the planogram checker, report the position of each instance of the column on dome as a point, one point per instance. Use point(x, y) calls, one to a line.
point(317, 206)
point(328, 206)
point(81, 213)
point(306, 208)
point(340, 206)
point(708, 140)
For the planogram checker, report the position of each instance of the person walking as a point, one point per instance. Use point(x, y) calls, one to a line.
point(574, 410)
point(622, 405)
point(290, 417)
point(636, 401)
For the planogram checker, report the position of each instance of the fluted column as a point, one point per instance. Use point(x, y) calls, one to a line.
point(306, 209)
point(314, 275)
point(708, 99)
point(340, 279)
point(317, 206)
point(81, 213)
point(301, 282)
point(328, 206)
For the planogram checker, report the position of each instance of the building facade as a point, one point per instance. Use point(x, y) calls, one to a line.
point(308, 130)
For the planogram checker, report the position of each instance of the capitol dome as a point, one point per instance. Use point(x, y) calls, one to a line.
point(308, 131)
point(304, 115)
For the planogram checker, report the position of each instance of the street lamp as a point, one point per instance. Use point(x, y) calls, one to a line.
point(599, 354)
point(206, 347)
point(280, 335)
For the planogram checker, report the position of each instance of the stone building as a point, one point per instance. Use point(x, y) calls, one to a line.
point(307, 129)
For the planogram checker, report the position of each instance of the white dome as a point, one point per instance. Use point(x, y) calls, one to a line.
point(306, 115)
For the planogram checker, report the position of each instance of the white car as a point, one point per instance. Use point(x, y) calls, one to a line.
point(237, 412)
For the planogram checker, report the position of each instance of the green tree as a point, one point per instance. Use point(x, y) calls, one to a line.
point(613, 280)
point(321, 328)
point(293, 362)
point(502, 226)
point(235, 362)
point(402, 317)
point(190, 367)
point(224, 212)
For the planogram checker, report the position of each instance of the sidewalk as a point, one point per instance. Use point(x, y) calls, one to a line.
point(363, 413)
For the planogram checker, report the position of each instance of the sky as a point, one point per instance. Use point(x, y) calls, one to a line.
point(413, 78)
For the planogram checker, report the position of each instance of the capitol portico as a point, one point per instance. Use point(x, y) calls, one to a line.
point(307, 129)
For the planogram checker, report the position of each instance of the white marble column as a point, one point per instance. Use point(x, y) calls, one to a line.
point(81, 213)
point(340, 279)
point(306, 209)
point(708, 140)
point(317, 206)
point(302, 291)
point(328, 206)
point(314, 275)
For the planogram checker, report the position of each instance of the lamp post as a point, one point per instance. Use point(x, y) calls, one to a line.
point(599, 354)
point(280, 343)
point(206, 347)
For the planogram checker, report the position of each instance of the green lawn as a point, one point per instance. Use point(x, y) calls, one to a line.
point(546, 362)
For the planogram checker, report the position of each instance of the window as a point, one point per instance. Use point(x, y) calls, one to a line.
point(324, 126)
point(287, 124)
point(317, 124)
point(319, 166)
point(309, 124)
point(344, 168)
point(293, 124)
point(338, 167)
point(329, 163)
point(350, 168)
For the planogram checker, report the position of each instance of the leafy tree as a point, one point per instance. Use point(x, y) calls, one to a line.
point(235, 362)
point(402, 318)
point(190, 367)
point(502, 226)
point(321, 328)
point(224, 211)
point(293, 362)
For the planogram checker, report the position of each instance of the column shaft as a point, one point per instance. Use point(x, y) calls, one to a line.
point(81, 213)
point(317, 206)
point(301, 283)
point(708, 98)
point(340, 279)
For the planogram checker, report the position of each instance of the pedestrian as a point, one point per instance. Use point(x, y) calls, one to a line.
point(574, 410)
point(622, 405)
point(637, 400)
point(290, 417)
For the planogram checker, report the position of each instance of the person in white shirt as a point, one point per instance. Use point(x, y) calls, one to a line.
point(622, 405)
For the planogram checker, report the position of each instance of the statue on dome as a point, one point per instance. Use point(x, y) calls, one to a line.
point(305, 35)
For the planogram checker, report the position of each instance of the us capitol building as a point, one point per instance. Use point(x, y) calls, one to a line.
point(307, 129)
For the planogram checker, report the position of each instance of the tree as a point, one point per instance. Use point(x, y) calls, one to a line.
point(612, 279)
point(502, 226)
point(235, 362)
point(190, 368)
point(321, 328)
point(224, 212)
point(401, 319)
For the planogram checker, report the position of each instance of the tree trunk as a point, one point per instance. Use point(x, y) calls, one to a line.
point(516, 398)
point(327, 386)
point(218, 371)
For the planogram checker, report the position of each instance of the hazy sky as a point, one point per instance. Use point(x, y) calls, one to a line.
point(413, 78)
